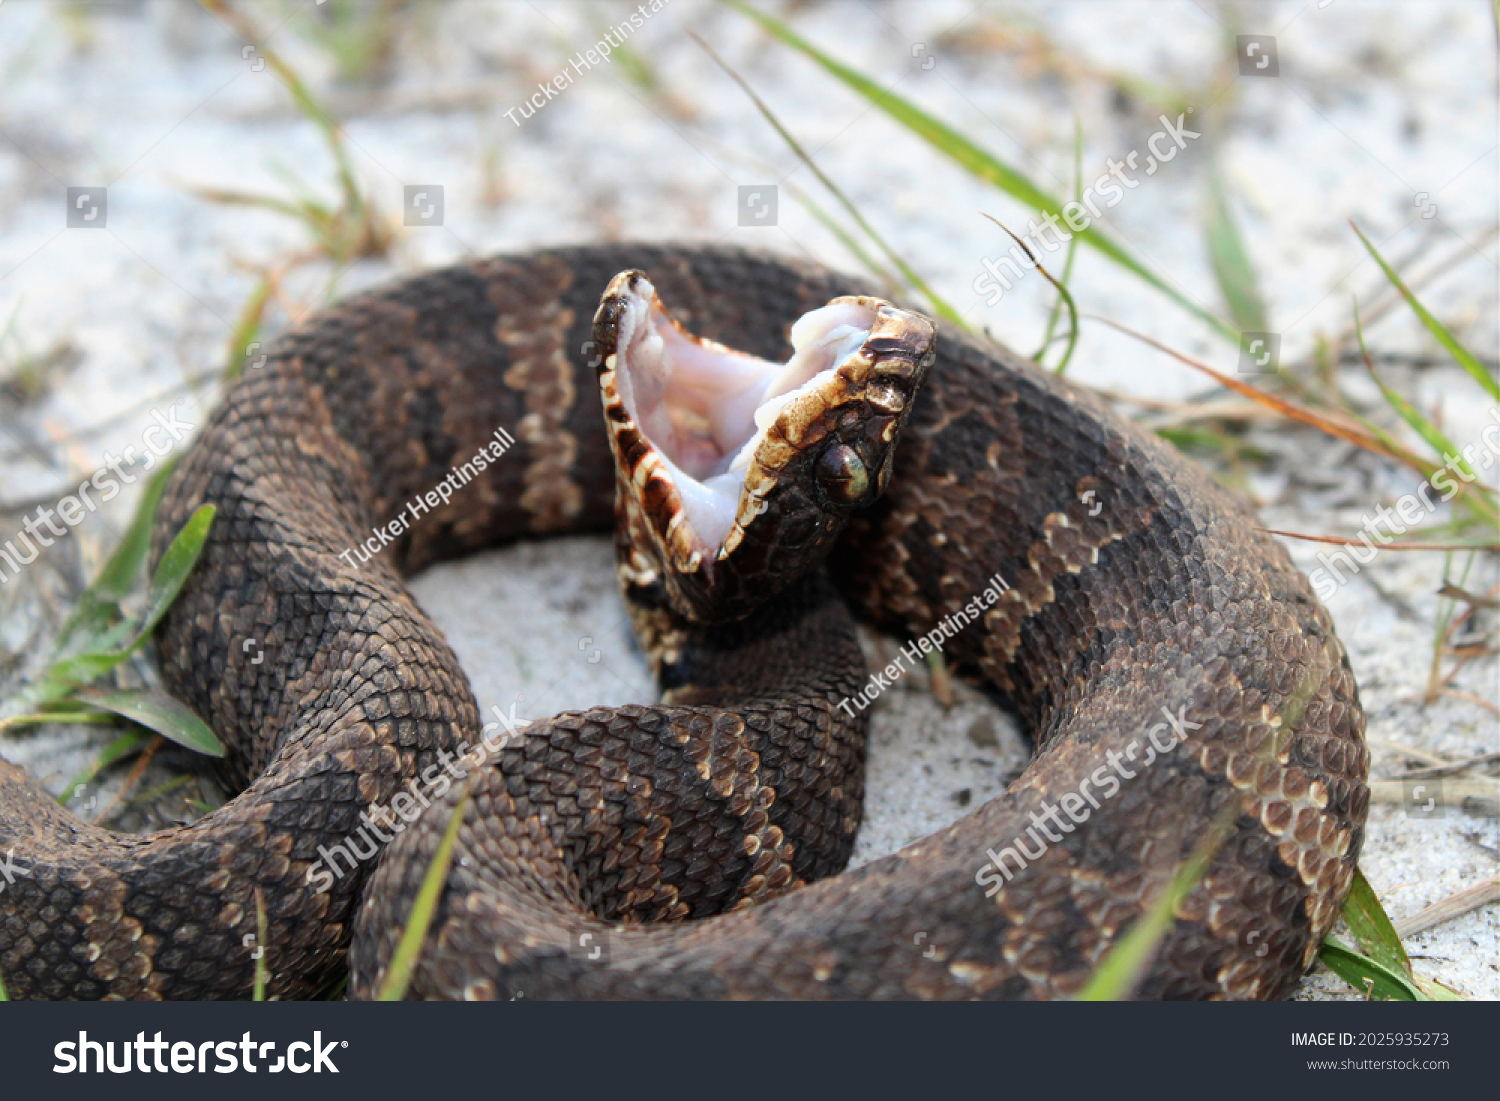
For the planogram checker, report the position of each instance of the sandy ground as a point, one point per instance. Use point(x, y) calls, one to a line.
point(1384, 113)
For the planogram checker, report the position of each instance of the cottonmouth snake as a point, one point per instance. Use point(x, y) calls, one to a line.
point(1135, 588)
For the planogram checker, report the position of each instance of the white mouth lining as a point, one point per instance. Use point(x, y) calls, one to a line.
point(706, 407)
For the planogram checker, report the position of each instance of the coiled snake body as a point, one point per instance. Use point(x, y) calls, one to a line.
point(1137, 592)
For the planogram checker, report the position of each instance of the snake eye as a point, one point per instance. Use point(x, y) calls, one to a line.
point(843, 474)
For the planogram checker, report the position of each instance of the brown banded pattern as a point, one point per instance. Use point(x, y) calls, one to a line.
point(1168, 596)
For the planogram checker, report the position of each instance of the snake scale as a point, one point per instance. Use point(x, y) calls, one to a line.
point(1173, 668)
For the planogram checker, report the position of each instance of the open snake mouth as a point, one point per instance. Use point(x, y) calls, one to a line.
point(706, 408)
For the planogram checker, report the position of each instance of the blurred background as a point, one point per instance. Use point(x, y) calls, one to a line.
point(179, 181)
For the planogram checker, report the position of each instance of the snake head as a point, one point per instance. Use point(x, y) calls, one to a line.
point(734, 475)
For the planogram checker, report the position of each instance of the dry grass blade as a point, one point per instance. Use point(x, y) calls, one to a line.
point(1453, 592)
point(1454, 793)
point(121, 747)
point(1346, 542)
point(1444, 627)
point(1469, 697)
point(1372, 440)
point(940, 679)
point(1290, 409)
point(1410, 752)
point(1482, 894)
point(136, 772)
point(1449, 768)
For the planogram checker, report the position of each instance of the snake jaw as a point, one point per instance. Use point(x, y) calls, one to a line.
point(735, 474)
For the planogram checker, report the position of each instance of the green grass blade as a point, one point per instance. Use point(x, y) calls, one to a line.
point(246, 198)
point(404, 960)
point(1466, 359)
point(262, 969)
point(636, 69)
point(120, 571)
point(1128, 959)
point(1380, 968)
point(976, 160)
point(940, 307)
point(130, 740)
point(1067, 299)
point(309, 106)
point(845, 238)
point(168, 717)
point(1472, 493)
point(100, 602)
point(247, 327)
point(1231, 263)
point(7, 331)
point(173, 570)
point(1373, 979)
point(1062, 290)
point(1067, 273)
point(1423, 427)
point(161, 790)
point(56, 716)
point(1446, 606)
point(1372, 929)
point(62, 677)
point(4, 997)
